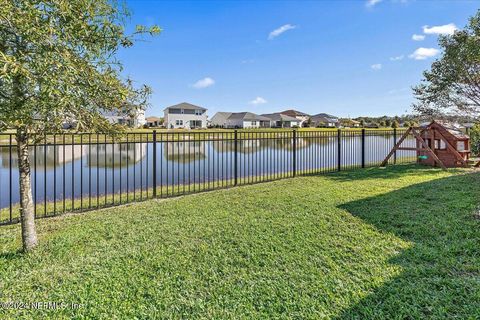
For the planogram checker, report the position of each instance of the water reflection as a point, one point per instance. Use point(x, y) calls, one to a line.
point(101, 155)
point(259, 145)
point(44, 156)
point(184, 152)
point(115, 155)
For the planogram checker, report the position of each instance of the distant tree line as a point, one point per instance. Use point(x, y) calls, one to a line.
point(383, 121)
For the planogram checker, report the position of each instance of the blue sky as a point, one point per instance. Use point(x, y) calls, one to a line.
point(347, 58)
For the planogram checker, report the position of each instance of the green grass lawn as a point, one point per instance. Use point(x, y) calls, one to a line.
point(146, 135)
point(402, 242)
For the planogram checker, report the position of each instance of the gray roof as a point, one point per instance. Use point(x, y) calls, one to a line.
point(220, 117)
point(324, 116)
point(247, 116)
point(185, 105)
point(223, 115)
point(280, 117)
point(295, 112)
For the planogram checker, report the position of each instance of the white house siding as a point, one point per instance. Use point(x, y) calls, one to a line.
point(138, 119)
point(171, 120)
point(302, 120)
point(251, 124)
point(295, 123)
point(285, 124)
point(324, 122)
point(239, 123)
point(236, 123)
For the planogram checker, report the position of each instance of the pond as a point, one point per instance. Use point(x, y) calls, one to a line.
point(94, 170)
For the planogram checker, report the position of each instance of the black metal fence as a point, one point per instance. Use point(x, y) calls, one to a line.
point(77, 172)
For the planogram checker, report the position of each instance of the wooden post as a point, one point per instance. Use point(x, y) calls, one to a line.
point(395, 147)
point(427, 148)
point(419, 142)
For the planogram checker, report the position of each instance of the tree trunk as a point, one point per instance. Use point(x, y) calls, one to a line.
point(27, 214)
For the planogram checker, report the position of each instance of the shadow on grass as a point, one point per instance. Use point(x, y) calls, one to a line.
point(388, 173)
point(12, 255)
point(440, 275)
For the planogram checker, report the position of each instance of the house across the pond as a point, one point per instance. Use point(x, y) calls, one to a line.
point(133, 119)
point(324, 120)
point(247, 120)
point(301, 116)
point(153, 122)
point(279, 120)
point(185, 116)
point(219, 120)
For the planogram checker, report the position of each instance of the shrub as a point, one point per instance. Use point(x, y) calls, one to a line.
point(475, 139)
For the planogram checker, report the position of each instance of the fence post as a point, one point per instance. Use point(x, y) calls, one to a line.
point(235, 158)
point(339, 150)
point(363, 147)
point(394, 143)
point(294, 152)
point(154, 164)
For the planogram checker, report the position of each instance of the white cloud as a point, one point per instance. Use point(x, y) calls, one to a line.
point(279, 31)
point(372, 3)
point(376, 66)
point(204, 83)
point(258, 100)
point(418, 37)
point(397, 58)
point(447, 29)
point(424, 53)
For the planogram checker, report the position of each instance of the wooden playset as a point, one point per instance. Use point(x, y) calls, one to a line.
point(437, 144)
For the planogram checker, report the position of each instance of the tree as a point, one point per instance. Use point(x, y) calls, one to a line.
point(346, 122)
point(57, 62)
point(475, 139)
point(308, 123)
point(452, 85)
point(395, 124)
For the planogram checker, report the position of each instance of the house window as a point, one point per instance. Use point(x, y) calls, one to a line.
point(174, 111)
point(198, 112)
point(179, 122)
point(254, 123)
point(460, 146)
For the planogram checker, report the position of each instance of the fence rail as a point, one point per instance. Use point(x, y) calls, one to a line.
point(78, 172)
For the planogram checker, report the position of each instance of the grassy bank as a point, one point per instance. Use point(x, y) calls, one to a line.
point(167, 135)
point(401, 242)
